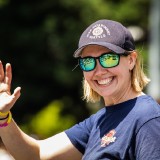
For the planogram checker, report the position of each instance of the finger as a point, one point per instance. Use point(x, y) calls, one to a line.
point(1, 72)
point(8, 75)
point(17, 92)
point(15, 96)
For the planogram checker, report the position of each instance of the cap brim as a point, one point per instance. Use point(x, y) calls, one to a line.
point(110, 46)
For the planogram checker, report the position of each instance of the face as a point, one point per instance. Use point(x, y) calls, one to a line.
point(113, 84)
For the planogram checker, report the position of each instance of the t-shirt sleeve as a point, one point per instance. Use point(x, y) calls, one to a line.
point(79, 133)
point(148, 141)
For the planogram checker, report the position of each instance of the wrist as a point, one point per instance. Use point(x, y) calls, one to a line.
point(6, 120)
point(3, 114)
point(4, 117)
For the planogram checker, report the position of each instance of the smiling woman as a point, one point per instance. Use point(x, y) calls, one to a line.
point(127, 127)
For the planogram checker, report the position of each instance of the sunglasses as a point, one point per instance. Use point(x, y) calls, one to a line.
point(106, 60)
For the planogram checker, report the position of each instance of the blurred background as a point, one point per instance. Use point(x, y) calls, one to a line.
point(39, 37)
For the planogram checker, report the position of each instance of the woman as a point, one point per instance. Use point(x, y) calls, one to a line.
point(128, 125)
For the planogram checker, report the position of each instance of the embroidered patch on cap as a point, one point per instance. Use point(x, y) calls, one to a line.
point(98, 31)
point(108, 138)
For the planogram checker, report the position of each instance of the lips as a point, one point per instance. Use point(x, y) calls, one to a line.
point(105, 81)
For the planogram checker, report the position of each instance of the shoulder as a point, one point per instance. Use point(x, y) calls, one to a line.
point(145, 110)
point(146, 105)
point(80, 133)
point(87, 124)
point(148, 140)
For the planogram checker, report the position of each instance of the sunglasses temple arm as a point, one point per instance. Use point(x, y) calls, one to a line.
point(75, 67)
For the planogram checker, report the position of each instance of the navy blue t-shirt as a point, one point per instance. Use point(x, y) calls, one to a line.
point(125, 131)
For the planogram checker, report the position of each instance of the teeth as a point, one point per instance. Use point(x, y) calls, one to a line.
point(105, 81)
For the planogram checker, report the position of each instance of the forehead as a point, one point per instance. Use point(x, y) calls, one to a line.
point(94, 50)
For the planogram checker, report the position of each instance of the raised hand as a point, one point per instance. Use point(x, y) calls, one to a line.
point(7, 100)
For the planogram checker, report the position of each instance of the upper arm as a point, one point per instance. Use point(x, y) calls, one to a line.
point(58, 147)
point(148, 141)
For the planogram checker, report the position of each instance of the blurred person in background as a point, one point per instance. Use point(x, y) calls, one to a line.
point(126, 128)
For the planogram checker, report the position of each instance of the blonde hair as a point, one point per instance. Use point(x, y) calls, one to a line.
point(138, 81)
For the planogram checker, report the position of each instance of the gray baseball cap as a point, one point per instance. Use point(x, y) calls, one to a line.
point(110, 34)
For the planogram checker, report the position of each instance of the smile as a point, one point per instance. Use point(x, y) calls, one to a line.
point(105, 81)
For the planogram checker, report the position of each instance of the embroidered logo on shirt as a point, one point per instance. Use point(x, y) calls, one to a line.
point(108, 138)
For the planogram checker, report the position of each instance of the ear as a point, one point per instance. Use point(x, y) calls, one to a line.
point(132, 60)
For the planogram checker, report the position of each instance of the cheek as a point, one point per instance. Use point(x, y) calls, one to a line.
point(122, 72)
point(87, 75)
point(124, 66)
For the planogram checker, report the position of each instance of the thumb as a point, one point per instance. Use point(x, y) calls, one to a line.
point(16, 94)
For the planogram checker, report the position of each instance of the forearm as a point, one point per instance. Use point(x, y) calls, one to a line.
point(20, 145)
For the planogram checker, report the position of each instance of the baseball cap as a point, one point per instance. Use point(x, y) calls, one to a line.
point(110, 34)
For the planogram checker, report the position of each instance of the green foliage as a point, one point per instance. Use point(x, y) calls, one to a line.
point(49, 120)
point(3, 3)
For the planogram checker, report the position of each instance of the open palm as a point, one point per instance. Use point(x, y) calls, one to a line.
point(7, 99)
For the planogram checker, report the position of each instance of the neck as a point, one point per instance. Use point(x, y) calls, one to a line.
point(124, 97)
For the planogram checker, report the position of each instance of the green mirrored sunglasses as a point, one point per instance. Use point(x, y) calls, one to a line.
point(106, 60)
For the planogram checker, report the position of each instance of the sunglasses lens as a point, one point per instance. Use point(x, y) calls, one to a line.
point(109, 60)
point(87, 64)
